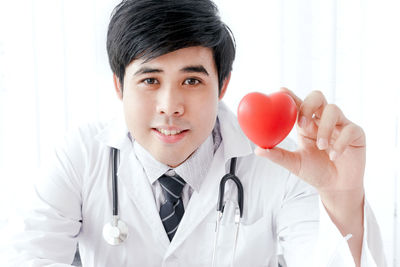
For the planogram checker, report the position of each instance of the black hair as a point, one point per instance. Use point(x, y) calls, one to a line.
point(150, 28)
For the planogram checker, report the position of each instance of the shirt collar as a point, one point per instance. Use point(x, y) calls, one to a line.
point(153, 168)
point(193, 170)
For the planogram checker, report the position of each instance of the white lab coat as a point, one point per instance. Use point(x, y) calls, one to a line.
point(281, 213)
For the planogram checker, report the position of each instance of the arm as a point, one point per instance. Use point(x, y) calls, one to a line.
point(330, 157)
point(51, 229)
point(332, 248)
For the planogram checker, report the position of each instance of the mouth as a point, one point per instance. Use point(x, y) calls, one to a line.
point(168, 132)
point(170, 136)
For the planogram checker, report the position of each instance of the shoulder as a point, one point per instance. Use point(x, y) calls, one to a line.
point(85, 143)
point(82, 138)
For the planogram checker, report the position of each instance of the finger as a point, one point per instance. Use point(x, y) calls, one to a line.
point(296, 99)
point(312, 106)
point(351, 135)
point(287, 159)
point(298, 102)
point(331, 117)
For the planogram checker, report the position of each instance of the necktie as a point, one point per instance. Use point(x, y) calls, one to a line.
point(172, 210)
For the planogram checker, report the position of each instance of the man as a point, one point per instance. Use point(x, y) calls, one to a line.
point(172, 63)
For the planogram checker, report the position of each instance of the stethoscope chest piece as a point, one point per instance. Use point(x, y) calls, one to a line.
point(115, 232)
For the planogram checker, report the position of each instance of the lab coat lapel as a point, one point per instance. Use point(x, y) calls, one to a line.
point(139, 190)
point(201, 203)
point(133, 179)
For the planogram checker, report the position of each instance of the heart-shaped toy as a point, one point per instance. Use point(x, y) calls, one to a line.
point(267, 119)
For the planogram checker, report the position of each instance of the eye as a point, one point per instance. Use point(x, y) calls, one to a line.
point(191, 81)
point(150, 81)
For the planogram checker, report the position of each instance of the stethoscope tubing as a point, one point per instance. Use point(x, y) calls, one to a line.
point(116, 231)
point(230, 176)
point(114, 181)
point(220, 209)
point(122, 229)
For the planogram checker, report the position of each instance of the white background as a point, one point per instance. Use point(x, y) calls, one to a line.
point(54, 76)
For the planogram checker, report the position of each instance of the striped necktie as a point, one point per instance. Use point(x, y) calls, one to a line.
point(172, 210)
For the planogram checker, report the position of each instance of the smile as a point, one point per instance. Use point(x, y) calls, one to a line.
point(167, 132)
point(170, 136)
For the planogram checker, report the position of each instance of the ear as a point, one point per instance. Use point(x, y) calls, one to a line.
point(224, 86)
point(118, 86)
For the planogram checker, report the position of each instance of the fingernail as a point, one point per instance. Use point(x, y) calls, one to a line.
point(322, 143)
point(302, 122)
point(333, 155)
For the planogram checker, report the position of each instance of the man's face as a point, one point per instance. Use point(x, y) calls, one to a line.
point(170, 103)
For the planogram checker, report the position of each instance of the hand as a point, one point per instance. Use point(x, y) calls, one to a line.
point(331, 153)
point(330, 157)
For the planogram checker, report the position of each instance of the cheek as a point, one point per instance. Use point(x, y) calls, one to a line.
point(136, 113)
point(206, 112)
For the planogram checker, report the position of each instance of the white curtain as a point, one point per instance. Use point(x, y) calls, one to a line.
point(54, 76)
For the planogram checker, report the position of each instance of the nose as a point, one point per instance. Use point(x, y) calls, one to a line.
point(170, 102)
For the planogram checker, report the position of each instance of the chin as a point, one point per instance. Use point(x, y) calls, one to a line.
point(173, 162)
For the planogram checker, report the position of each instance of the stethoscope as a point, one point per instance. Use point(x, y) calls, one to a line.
point(221, 205)
point(116, 231)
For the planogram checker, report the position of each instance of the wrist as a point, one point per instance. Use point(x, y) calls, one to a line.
point(346, 209)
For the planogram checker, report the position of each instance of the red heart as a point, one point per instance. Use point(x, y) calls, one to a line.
point(267, 119)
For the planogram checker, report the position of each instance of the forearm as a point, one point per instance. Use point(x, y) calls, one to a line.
point(346, 210)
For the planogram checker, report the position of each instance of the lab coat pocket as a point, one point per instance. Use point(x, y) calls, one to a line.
point(255, 244)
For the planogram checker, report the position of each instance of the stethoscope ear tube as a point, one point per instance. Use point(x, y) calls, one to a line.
point(235, 179)
point(114, 181)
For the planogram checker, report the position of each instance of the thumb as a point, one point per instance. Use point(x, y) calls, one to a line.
point(287, 159)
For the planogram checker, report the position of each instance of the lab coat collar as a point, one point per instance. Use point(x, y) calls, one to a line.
point(132, 178)
point(115, 133)
point(235, 142)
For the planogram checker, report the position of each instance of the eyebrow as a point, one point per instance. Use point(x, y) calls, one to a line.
point(194, 68)
point(144, 70)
